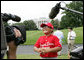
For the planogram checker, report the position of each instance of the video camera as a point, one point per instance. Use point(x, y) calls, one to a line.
point(7, 32)
point(10, 35)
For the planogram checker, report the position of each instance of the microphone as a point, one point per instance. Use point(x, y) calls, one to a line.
point(54, 11)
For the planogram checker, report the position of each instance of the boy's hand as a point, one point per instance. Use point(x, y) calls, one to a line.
point(45, 50)
point(39, 50)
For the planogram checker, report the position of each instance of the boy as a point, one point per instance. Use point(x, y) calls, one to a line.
point(47, 45)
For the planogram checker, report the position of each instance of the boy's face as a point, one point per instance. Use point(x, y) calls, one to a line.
point(47, 30)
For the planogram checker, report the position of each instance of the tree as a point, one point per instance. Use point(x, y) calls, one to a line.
point(73, 19)
point(64, 22)
point(30, 25)
point(55, 23)
point(18, 24)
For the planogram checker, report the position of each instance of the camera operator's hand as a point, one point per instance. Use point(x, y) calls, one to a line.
point(17, 33)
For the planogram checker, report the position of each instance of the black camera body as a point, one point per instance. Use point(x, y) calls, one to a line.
point(10, 34)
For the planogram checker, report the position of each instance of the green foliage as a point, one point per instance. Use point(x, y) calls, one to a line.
point(18, 24)
point(64, 22)
point(55, 23)
point(73, 19)
point(30, 25)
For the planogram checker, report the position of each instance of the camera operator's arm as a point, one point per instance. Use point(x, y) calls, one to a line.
point(17, 32)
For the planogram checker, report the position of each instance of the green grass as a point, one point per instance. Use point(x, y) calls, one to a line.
point(35, 56)
point(32, 36)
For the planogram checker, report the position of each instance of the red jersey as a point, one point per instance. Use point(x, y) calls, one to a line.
point(48, 41)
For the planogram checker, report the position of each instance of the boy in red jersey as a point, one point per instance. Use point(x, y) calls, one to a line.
point(47, 45)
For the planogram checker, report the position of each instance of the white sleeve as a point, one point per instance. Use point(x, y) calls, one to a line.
point(74, 34)
point(55, 33)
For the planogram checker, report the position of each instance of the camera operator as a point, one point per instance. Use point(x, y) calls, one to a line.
point(11, 41)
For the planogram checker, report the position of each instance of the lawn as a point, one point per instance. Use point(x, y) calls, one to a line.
point(32, 36)
point(35, 56)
